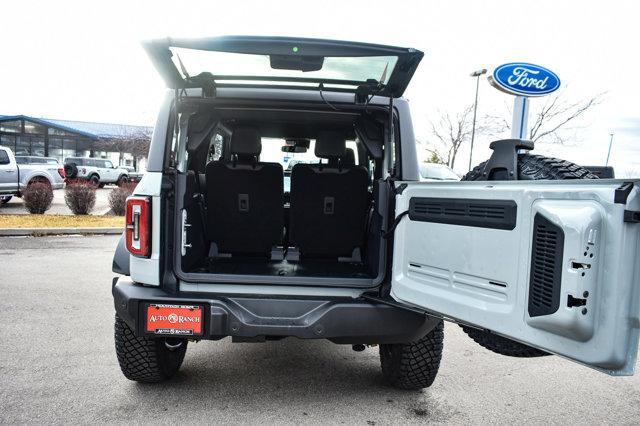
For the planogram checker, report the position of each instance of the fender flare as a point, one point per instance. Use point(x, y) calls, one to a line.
point(120, 264)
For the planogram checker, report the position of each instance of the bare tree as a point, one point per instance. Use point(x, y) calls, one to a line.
point(552, 119)
point(450, 132)
point(128, 139)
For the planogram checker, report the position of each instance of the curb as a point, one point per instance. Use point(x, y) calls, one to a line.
point(41, 232)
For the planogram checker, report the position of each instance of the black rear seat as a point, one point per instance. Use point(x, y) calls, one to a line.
point(244, 199)
point(328, 202)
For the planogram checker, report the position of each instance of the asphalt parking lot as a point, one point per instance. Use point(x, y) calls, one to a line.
point(58, 365)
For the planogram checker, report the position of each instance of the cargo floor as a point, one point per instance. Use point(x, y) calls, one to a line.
point(284, 268)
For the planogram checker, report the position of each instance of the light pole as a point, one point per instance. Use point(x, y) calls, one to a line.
point(477, 75)
point(609, 152)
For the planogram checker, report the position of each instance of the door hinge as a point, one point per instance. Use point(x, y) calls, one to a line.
point(631, 216)
point(622, 193)
point(185, 225)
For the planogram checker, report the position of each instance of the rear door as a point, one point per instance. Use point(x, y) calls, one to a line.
point(8, 172)
point(110, 172)
point(550, 264)
point(211, 62)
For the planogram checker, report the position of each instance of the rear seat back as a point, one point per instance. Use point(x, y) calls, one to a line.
point(328, 202)
point(245, 199)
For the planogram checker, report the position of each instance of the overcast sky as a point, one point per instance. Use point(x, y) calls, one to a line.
point(83, 60)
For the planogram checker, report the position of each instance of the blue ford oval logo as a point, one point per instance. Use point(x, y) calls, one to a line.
point(521, 78)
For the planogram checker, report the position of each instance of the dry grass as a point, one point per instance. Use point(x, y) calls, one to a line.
point(59, 221)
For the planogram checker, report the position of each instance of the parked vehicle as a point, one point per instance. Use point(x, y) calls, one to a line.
point(95, 170)
point(434, 171)
point(364, 252)
point(15, 177)
point(133, 175)
point(31, 159)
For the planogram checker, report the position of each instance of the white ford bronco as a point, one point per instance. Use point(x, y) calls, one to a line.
point(283, 198)
point(96, 171)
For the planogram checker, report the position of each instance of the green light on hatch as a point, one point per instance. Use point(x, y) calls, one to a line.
point(295, 49)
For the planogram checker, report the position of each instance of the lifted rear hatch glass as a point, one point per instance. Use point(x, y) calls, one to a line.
point(242, 60)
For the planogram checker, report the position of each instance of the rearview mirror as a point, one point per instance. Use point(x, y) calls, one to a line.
point(294, 149)
point(296, 63)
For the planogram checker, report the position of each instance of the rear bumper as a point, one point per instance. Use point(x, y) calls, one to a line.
point(255, 318)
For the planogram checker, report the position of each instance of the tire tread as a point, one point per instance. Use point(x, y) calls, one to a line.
point(413, 366)
point(144, 359)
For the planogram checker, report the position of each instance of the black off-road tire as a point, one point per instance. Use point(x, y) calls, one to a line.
point(144, 359)
point(413, 366)
point(530, 167)
point(70, 170)
point(122, 180)
point(502, 345)
point(538, 167)
point(94, 180)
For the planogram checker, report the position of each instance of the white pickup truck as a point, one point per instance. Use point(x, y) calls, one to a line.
point(15, 178)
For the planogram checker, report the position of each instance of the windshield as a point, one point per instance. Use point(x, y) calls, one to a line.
point(358, 69)
point(437, 172)
point(272, 153)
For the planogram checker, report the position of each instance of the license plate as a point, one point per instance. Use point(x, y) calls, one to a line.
point(175, 320)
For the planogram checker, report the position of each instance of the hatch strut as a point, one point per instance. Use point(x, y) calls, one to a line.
point(391, 137)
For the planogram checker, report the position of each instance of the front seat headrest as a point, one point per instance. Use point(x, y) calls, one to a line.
point(330, 144)
point(349, 158)
point(245, 141)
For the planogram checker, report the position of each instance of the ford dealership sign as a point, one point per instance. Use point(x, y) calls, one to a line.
point(523, 79)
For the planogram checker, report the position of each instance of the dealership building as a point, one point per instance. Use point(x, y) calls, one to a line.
point(124, 145)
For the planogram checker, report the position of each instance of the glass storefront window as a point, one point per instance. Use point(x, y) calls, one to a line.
point(8, 141)
point(58, 132)
point(37, 146)
point(23, 145)
point(30, 127)
point(55, 148)
point(14, 126)
point(68, 148)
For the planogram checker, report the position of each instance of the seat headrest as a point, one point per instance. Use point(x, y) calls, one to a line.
point(246, 141)
point(349, 158)
point(330, 144)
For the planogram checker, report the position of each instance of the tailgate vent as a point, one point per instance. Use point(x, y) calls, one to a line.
point(546, 267)
point(497, 214)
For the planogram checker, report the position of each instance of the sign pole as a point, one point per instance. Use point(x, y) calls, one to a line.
point(609, 151)
point(520, 118)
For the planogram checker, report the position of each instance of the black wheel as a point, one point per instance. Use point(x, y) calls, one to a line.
point(5, 199)
point(101, 185)
point(413, 366)
point(147, 360)
point(94, 180)
point(71, 170)
point(122, 180)
point(530, 167)
point(538, 167)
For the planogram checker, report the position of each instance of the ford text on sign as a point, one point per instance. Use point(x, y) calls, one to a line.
point(523, 79)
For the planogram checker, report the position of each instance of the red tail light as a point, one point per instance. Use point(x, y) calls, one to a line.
point(138, 226)
point(61, 173)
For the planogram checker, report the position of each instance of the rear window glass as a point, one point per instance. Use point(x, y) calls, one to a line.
point(360, 68)
point(272, 153)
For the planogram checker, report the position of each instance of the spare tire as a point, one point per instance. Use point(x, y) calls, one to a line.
point(530, 167)
point(71, 170)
